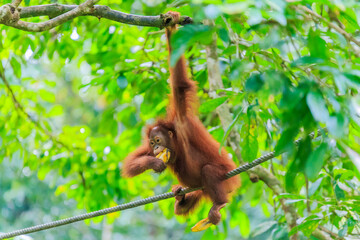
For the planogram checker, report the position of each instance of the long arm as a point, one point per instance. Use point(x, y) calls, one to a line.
point(183, 89)
point(186, 203)
point(141, 160)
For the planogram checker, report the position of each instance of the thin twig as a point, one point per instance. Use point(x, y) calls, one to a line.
point(16, 3)
point(293, 43)
point(81, 173)
point(332, 234)
point(10, 17)
point(21, 109)
point(330, 24)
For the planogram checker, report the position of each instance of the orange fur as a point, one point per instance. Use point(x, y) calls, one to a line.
point(197, 162)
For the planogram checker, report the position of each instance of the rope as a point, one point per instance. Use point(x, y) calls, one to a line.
point(264, 158)
point(136, 203)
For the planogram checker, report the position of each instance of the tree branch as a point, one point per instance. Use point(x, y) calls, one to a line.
point(11, 16)
point(16, 3)
point(347, 35)
point(21, 109)
point(321, 235)
point(334, 235)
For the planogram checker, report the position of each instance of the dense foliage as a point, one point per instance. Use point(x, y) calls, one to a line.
point(82, 92)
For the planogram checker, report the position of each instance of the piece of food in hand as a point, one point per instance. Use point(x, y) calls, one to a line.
point(164, 155)
point(202, 225)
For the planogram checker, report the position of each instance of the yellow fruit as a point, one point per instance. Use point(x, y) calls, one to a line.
point(164, 155)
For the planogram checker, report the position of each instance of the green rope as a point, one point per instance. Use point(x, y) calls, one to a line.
point(136, 203)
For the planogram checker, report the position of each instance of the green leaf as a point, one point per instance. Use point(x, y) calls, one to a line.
point(354, 80)
point(224, 36)
point(276, 81)
point(16, 66)
point(340, 82)
point(354, 157)
point(43, 171)
point(212, 104)
point(229, 128)
point(271, 40)
point(339, 193)
point(245, 224)
point(317, 45)
point(292, 99)
point(262, 228)
point(286, 141)
point(55, 111)
point(306, 60)
point(249, 144)
point(185, 37)
point(298, 164)
point(290, 176)
point(291, 201)
point(279, 17)
point(201, 77)
point(336, 125)
point(101, 80)
point(351, 223)
point(280, 233)
point(47, 96)
point(314, 186)
point(66, 168)
point(254, 82)
point(317, 106)
point(1, 69)
point(230, 50)
point(303, 152)
point(308, 226)
point(315, 161)
point(254, 16)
